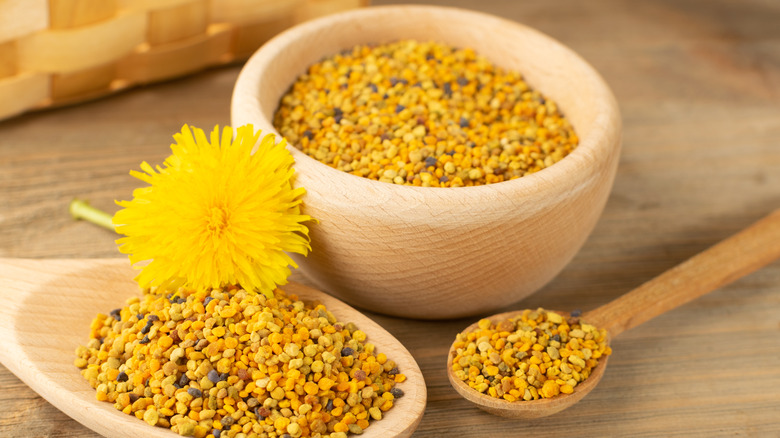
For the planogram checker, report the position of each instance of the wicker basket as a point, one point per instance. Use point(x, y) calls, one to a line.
point(55, 52)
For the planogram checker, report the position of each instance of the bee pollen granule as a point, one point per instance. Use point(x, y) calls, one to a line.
point(229, 363)
point(538, 354)
point(422, 114)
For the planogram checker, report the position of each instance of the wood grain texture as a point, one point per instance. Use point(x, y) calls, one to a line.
point(49, 304)
point(66, 14)
point(70, 50)
point(729, 260)
point(78, 43)
point(421, 251)
point(698, 84)
point(22, 17)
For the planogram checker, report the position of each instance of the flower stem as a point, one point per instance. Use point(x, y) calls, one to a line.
point(80, 209)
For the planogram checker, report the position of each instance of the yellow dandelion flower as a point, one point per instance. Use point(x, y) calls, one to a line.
point(215, 214)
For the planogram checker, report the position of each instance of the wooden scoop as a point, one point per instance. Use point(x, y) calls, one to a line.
point(48, 305)
point(733, 258)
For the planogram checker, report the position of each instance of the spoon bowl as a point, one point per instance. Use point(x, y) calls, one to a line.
point(733, 258)
point(47, 309)
point(537, 408)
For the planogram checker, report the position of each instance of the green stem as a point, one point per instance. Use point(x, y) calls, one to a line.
point(82, 210)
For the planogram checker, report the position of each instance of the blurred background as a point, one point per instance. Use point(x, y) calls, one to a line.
point(698, 83)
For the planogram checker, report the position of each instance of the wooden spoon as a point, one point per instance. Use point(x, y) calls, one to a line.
point(733, 258)
point(48, 305)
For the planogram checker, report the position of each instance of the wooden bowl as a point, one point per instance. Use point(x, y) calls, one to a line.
point(437, 253)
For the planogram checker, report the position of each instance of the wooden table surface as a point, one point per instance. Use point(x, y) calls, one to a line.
point(698, 83)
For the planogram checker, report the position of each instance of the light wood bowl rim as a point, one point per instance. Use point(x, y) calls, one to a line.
point(246, 108)
point(380, 237)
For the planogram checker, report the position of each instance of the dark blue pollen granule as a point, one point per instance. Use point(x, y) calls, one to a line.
point(430, 161)
point(195, 392)
point(397, 392)
point(399, 108)
point(184, 380)
point(443, 178)
point(223, 376)
point(464, 122)
point(463, 81)
point(121, 377)
point(393, 371)
point(308, 134)
point(139, 317)
point(373, 88)
point(145, 340)
point(556, 338)
point(147, 327)
point(576, 313)
point(337, 112)
point(152, 317)
point(346, 351)
point(450, 153)
point(181, 300)
point(207, 301)
point(116, 315)
point(329, 405)
point(447, 89)
point(177, 386)
point(216, 432)
point(213, 375)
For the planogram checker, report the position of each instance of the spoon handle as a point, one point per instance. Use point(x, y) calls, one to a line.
point(733, 258)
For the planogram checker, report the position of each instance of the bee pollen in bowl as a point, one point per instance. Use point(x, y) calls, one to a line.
point(422, 114)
